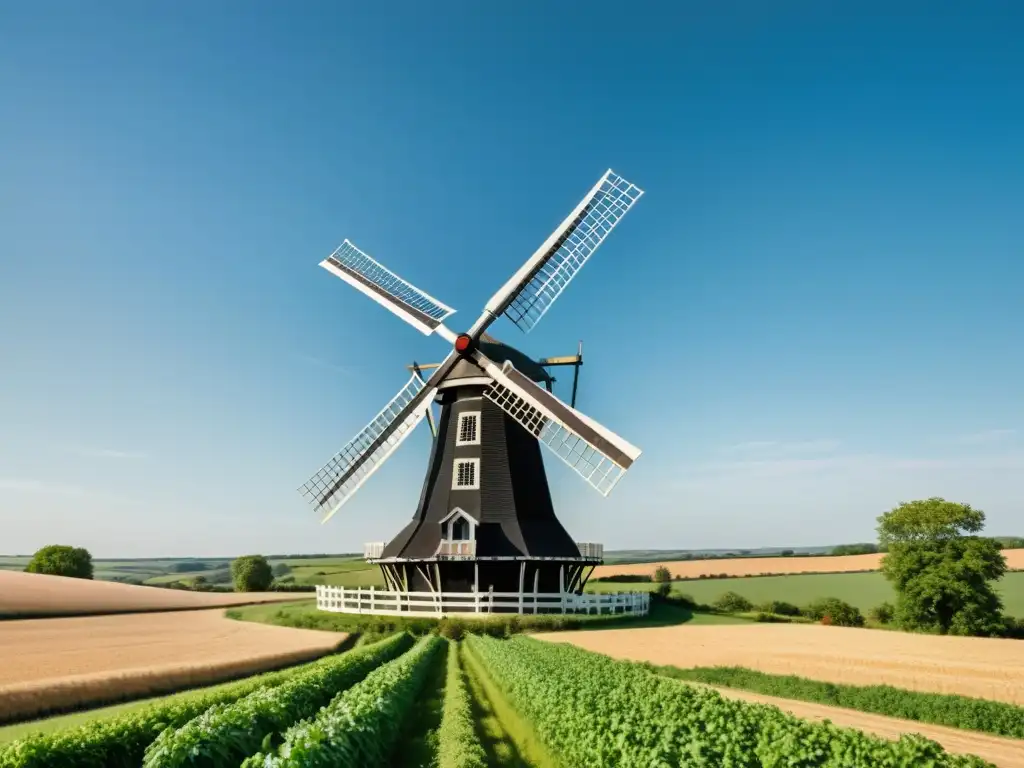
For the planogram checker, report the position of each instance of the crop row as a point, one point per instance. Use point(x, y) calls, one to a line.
point(996, 717)
point(361, 725)
point(457, 744)
point(228, 733)
point(592, 711)
point(120, 742)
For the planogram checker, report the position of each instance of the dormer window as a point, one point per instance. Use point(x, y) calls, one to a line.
point(468, 429)
point(458, 534)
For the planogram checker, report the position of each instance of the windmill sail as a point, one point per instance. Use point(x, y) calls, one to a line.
point(596, 453)
point(419, 309)
point(528, 295)
point(353, 465)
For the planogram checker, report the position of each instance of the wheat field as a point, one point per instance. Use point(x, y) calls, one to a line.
point(33, 594)
point(988, 668)
point(52, 665)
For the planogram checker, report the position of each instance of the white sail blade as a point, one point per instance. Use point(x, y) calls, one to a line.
point(533, 289)
point(421, 310)
point(342, 476)
point(599, 455)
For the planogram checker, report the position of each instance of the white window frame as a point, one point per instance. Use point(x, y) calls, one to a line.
point(458, 429)
point(476, 475)
point(448, 523)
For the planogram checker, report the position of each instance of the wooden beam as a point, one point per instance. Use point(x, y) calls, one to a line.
point(570, 360)
point(422, 366)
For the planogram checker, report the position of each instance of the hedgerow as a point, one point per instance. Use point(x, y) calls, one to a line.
point(361, 725)
point(458, 745)
point(119, 742)
point(593, 711)
point(229, 733)
point(940, 709)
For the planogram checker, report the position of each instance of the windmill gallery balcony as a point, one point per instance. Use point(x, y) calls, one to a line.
point(467, 548)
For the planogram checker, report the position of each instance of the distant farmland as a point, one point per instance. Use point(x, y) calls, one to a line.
point(864, 590)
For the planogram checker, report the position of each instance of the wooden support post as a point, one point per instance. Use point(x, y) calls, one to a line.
point(522, 578)
point(561, 585)
point(536, 582)
point(440, 597)
point(373, 600)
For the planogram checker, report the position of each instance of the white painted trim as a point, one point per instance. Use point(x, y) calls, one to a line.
point(476, 430)
point(469, 381)
point(455, 474)
point(459, 511)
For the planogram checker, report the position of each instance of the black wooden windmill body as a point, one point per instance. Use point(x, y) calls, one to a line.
point(485, 519)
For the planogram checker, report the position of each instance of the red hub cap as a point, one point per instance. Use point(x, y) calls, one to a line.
point(463, 342)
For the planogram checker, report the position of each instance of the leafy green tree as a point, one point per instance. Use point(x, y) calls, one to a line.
point(251, 573)
point(732, 602)
point(60, 560)
point(941, 569)
point(832, 610)
point(855, 549)
point(662, 574)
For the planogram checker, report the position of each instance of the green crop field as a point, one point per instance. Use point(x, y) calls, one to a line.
point(403, 701)
point(863, 590)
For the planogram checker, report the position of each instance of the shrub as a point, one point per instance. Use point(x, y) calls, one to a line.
point(883, 613)
point(772, 618)
point(832, 610)
point(779, 607)
point(662, 574)
point(732, 602)
point(251, 573)
point(60, 560)
point(664, 589)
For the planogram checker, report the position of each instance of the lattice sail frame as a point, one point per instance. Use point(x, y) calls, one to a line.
point(367, 275)
point(610, 200)
point(314, 489)
point(590, 463)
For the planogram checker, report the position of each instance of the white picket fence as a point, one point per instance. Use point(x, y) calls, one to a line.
point(388, 603)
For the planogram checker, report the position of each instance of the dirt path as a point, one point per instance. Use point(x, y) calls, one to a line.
point(32, 594)
point(1006, 753)
point(57, 664)
point(760, 566)
point(986, 668)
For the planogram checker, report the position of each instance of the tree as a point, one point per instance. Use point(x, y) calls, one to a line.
point(787, 553)
point(855, 549)
point(832, 610)
point(662, 574)
point(941, 569)
point(251, 573)
point(731, 602)
point(60, 560)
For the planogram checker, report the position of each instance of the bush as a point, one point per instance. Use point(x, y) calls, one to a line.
point(732, 602)
point(772, 618)
point(883, 613)
point(625, 578)
point(61, 560)
point(832, 610)
point(251, 573)
point(664, 589)
point(662, 574)
point(779, 607)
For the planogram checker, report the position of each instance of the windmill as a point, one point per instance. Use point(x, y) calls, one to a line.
point(485, 520)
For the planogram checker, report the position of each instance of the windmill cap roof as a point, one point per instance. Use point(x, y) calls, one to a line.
point(499, 353)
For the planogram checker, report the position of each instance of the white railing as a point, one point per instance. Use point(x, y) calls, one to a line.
point(462, 548)
point(372, 550)
point(388, 603)
point(590, 550)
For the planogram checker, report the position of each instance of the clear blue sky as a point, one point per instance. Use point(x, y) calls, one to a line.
point(815, 311)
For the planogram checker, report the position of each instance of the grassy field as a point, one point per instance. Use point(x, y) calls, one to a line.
point(864, 590)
